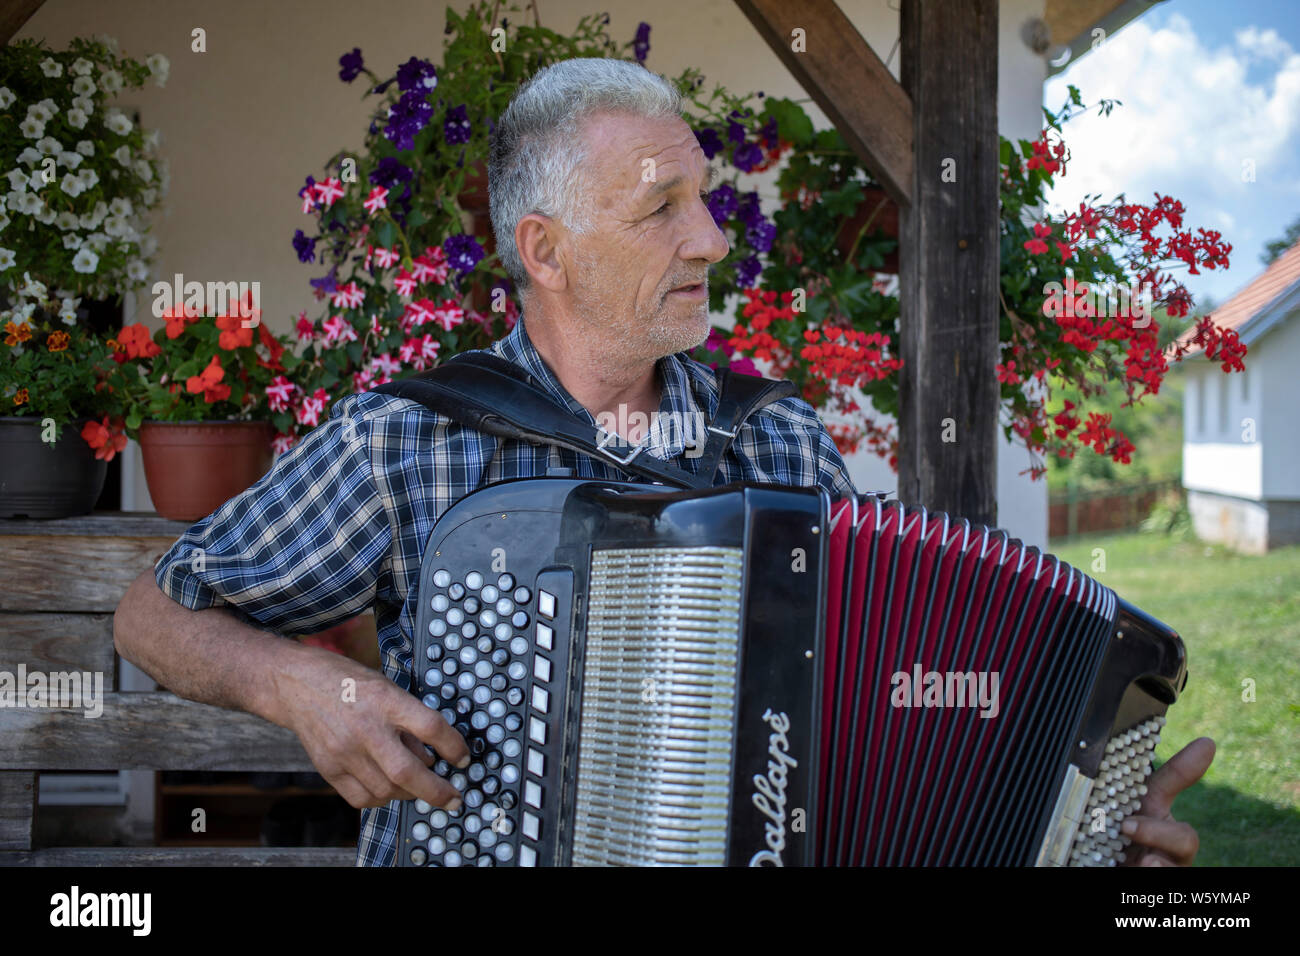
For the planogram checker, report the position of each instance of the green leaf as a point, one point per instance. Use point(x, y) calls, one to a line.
point(792, 123)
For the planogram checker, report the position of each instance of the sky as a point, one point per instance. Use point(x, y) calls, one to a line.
point(1210, 90)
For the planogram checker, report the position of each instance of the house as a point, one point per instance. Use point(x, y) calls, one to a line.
point(1241, 432)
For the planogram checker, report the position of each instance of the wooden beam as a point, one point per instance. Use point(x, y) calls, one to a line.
point(145, 730)
point(17, 809)
point(948, 295)
point(843, 75)
point(15, 13)
point(184, 856)
point(59, 642)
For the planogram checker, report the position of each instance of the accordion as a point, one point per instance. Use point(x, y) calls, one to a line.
point(760, 675)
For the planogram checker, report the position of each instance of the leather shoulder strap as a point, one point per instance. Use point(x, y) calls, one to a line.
point(739, 396)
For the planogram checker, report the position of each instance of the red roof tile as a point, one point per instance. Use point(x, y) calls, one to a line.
point(1282, 273)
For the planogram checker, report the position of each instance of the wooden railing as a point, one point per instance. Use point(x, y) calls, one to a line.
point(1106, 509)
point(61, 582)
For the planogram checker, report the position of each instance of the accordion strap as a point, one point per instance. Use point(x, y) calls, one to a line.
point(491, 395)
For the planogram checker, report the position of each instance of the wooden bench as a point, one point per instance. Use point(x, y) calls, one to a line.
point(62, 581)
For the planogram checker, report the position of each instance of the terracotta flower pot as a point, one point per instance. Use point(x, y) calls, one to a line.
point(193, 468)
point(882, 212)
point(43, 480)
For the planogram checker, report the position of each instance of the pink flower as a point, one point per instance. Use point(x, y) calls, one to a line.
point(280, 393)
point(338, 329)
point(376, 329)
point(404, 283)
point(429, 348)
point(431, 267)
point(308, 200)
point(370, 251)
point(378, 200)
point(420, 352)
point(329, 191)
point(308, 413)
point(385, 364)
point(385, 258)
point(362, 381)
point(448, 315)
point(417, 313)
point(348, 296)
point(306, 328)
point(282, 443)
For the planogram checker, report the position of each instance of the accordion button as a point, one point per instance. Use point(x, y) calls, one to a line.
point(536, 762)
point(451, 858)
point(497, 708)
point(469, 850)
point(437, 628)
point(473, 580)
point(483, 669)
point(442, 577)
point(519, 619)
point(452, 642)
point(488, 618)
point(513, 722)
point(506, 582)
point(504, 852)
point(523, 595)
point(454, 834)
point(487, 839)
point(437, 845)
point(433, 651)
point(481, 695)
point(439, 819)
point(489, 594)
point(420, 831)
point(542, 668)
point(471, 605)
point(493, 760)
point(517, 670)
point(505, 606)
point(509, 774)
point(532, 826)
point(511, 748)
point(456, 591)
point(418, 856)
point(473, 800)
point(541, 699)
point(536, 730)
point(546, 604)
point(477, 746)
point(496, 733)
point(533, 794)
point(491, 786)
point(455, 617)
point(479, 720)
point(527, 856)
point(502, 631)
point(545, 637)
point(508, 800)
point(430, 701)
point(518, 646)
point(468, 654)
point(423, 806)
point(466, 680)
point(499, 682)
point(515, 696)
point(440, 603)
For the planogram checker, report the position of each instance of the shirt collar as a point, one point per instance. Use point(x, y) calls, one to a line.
point(683, 412)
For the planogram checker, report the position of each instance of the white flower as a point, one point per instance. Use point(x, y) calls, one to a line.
point(159, 67)
point(148, 196)
point(84, 103)
point(24, 311)
point(67, 220)
point(148, 246)
point(46, 216)
point(116, 121)
point(115, 226)
point(86, 148)
point(4, 221)
point(17, 180)
point(93, 219)
point(123, 154)
point(7, 258)
point(143, 170)
point(108, 41)
point(32, 128)
point(151, 140)
point(32, 203)
point(70, 159)
point(81, 67)
point(37, 179)
point(30, 156)
point(97, 241)
point(49, 146)
point(71, 241)
point(110, 81)
point(6, 97)
point(83, 86)
point(51, 68)
point(85, 261)
point(120, 207)
point(89, 178)
point(136, 270)
point(72, 185)
point(33, 288)
point(38, 112)
point(76, 118)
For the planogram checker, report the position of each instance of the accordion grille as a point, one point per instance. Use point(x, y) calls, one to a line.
point(658, 707)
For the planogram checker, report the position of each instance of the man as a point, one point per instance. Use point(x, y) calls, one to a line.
point(611, 265)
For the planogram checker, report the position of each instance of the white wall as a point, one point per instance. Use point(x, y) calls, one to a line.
point(1277, 355)
point(244, 123)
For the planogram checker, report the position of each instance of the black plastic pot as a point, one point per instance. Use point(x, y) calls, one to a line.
point(47, 480)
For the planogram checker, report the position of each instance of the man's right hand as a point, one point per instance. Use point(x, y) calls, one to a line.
point(365, 734)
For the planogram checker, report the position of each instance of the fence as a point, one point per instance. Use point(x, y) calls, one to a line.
point(1107, 509)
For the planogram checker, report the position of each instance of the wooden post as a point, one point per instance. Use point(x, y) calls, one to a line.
point(949, 259)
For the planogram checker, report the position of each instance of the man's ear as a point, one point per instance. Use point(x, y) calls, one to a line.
point(536, 238)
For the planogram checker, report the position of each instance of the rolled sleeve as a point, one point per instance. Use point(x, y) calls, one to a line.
point(303, 548)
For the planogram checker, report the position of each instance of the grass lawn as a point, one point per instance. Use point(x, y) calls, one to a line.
point(1240, 619)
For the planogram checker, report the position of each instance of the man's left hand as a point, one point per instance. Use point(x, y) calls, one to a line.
point(1159, 839)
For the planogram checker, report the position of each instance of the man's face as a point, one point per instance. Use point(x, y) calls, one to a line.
point(651, 235)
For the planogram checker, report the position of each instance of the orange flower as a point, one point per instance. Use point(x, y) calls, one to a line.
point(21, 397)
point(135, 339)
point(105, 437)
point(208, 382)
point(16, 333)
point(177, 319)
point(233, 334)
point(58, 341)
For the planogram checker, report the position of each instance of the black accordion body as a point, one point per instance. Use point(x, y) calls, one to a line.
point(759, 675)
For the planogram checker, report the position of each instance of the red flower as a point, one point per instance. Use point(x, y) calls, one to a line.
point(208, 382)
point(233, 334)
point(105, 437)
point(136, 342)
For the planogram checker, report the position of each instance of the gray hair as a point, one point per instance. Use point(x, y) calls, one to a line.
point(536, 150)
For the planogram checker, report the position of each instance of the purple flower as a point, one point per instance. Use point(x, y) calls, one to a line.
point(416, 74)
point(722, 203)
point(747, 270)
point(407, 117)
point(326, 283)
point(747, 209)
point(641, 42)
point(735, 132)
point(463, 252)
point(747, 156)
point(456, 128)
point(743, 365)
point(769, 134)
point(709, 141)
point(304, 246)
point(389, 172)
point(311, 181)
point(350, 65)
point(760, 234)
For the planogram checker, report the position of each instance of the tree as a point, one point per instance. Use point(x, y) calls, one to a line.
point(1278, 246)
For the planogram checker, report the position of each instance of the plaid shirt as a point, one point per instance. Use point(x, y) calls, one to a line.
point(338, 523)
